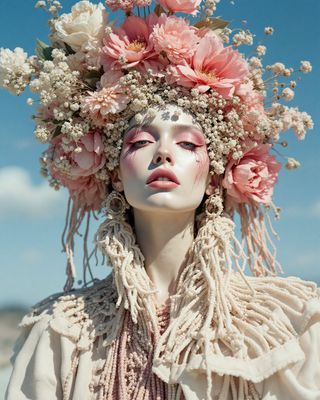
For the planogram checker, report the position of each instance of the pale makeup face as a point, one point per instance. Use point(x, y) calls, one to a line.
point(164, 165)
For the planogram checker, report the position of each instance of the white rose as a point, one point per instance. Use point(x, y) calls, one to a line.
point(85, 23)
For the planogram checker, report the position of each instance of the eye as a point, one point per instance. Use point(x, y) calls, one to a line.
point(139, 143)
point(188, 145)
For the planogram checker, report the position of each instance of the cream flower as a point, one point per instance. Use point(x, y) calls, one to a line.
point(15, 70)
point(261, 50)
point(85, 23)
point(277, 68)
point(40, 4)
point(268, 30)
point(287, 94)
point(292, 163)
point(305, 67)
point(243, 37)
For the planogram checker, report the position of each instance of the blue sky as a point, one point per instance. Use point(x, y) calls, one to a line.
point(32, 215)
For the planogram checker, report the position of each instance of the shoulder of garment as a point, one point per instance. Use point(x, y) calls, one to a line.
point(274, 344)
point(54, 334)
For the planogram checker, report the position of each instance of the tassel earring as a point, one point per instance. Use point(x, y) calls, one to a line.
point(116, 206)
point(116, 240)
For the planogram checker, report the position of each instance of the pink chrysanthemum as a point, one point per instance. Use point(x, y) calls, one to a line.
point(175, 37)
point(130, 46)
point(212, 66)
point(111, 99)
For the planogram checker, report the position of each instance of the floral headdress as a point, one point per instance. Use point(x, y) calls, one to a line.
point(95, 75)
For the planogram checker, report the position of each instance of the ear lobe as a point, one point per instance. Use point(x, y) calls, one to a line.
point(116, 180)
point(213, 182)
point(209, 189)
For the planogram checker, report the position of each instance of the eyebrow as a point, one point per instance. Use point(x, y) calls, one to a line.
point(176, 127)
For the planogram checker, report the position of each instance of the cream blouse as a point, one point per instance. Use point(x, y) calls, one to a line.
point(68, 340)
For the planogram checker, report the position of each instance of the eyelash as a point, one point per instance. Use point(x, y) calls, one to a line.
point(193, 146)
point(138, 144)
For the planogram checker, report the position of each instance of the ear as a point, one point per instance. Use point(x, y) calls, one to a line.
point(212, 184)
point(116, 180)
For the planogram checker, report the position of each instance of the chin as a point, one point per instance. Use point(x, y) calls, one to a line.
point(164, 205)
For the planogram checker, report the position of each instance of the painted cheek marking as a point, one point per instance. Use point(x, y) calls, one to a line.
point(200, 152)
point(202, 160)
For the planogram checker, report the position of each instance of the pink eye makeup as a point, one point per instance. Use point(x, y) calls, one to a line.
point(193, 138)
point(137, 135)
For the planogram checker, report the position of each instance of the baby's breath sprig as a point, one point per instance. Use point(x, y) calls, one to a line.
point(51, 6)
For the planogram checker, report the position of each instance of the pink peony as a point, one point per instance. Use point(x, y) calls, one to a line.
point(111, 99)
point(185, 6)
point(212, 66)
point(255, 113)
point(87, 192)
point(175, 37)
point(80, 159)
point(75, 168)
point(252, 98)
point(131, 43)
point(126, 5)
point(253, 177)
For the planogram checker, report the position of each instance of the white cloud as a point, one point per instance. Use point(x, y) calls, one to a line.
point(293, 211)
point(305, 265)
point(23, 144)
point(315, 210)
point(31, 257)
point(309, 258)
point(310, 211)
point(20, 197)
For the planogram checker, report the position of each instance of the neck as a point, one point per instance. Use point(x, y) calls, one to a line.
point(164, 239)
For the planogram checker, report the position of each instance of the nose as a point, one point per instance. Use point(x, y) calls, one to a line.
point(163, 155)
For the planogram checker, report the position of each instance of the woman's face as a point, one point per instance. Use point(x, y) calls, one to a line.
point(164, 164)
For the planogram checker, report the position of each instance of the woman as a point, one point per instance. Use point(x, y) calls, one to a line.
point(158, 343)
point(182, 137)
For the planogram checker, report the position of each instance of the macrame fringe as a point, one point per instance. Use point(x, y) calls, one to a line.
point(116, 240)
point(202, 285)
point(74, 219)
point(258, 249)
point(256, 230)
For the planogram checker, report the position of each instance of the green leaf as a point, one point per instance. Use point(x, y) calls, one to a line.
point(92, 77)
point(215, 24)
point(43, 51)
point(69, 49)
point(158, 10)
point(56, 132)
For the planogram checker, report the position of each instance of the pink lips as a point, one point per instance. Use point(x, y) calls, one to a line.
point(159, 184)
